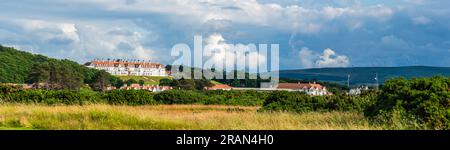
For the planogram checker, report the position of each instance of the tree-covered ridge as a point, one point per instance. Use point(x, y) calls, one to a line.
point(22, 67)
point(15, 65)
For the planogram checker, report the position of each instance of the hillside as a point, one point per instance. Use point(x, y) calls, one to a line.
point(147, 79)
point(15, 65)
point(364, 75)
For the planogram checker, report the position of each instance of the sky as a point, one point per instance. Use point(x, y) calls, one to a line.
point(310, 33)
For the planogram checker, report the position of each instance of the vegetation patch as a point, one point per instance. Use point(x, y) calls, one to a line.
point(300, 102)
point(170, 117)
point(419, 103)
point(148, 80)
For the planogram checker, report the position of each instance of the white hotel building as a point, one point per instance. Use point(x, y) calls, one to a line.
point(128, 68)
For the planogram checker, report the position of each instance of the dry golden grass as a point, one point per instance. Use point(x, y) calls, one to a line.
point(179, 117)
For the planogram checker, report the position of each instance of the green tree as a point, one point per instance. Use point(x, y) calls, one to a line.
point(56, 75)
point(119, 83)
point(131, 81)
point(202, 83)
point(187, 84)
point(166, 82)
point(101, 81)
point(141, 82)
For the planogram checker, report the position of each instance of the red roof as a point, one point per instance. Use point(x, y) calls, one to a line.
point(220, 86)
point(135, 85)
point(297, 86)
point(125, 63)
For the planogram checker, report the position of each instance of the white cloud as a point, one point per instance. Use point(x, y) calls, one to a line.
point(307, 58)
point(328, 58)
point(225, 53)
point(290, 18)
point(140, 52)
point(48, 31)
point(81, 42)
point(113, 42)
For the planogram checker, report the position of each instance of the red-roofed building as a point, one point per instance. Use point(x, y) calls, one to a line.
point(153, 88)
point(309, 88)
point(220, 87)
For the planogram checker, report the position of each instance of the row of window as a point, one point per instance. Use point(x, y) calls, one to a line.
point(131, 69)
point(138, 73)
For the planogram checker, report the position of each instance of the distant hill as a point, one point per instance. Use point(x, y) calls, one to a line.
point(364, 75)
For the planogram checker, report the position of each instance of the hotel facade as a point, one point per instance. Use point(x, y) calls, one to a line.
point(129, 68)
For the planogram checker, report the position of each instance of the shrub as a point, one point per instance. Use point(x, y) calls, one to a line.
point(130, 97)
point(219, 97)
point(52, 97)
point(422, 100)
point(301, 102)
point(179, 97)
point(6, 89)
point(243, 98)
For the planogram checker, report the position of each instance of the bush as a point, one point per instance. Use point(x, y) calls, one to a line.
point(52, 97)
point(179, 97)
point(243, 98)
point(130, 97)
point(422, 100)
point(219, 97)
point(300, 102)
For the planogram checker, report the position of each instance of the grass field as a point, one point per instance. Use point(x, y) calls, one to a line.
point(150, 80)
point(180, 117)
point(147, 79)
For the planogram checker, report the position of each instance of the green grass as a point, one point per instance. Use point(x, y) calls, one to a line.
point(147, 79)
point(215, 82)
point(171, 117)
point(152, 80)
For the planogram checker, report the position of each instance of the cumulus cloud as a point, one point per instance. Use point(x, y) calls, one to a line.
point(113, 42)
point(307, 58)
point(293, 17)
point(48, 31)
point(328, 58)
point(226, 53)
point(80, 42)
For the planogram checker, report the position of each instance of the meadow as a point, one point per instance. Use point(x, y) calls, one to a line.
point(147, 79)
point(420, 104)
point(172, 117)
